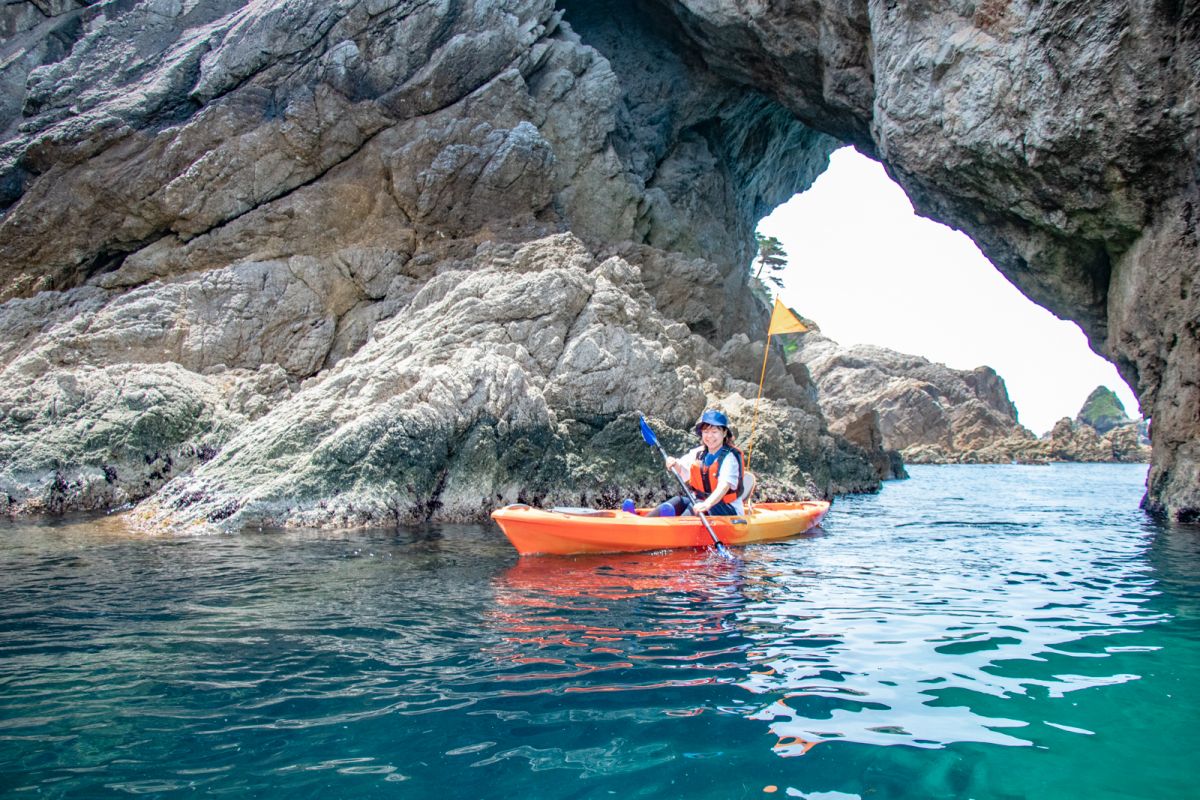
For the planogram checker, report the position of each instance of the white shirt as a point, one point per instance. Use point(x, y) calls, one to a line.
point(728, 473)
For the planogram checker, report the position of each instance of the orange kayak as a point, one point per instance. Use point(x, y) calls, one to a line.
point(567, 531)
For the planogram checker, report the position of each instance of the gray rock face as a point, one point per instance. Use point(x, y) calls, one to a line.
point(457, 405)
point(933, 414)
point(338, 262)
point(927, 411)
point(382, 256)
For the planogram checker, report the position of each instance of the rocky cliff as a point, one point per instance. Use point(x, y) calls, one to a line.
point(927, 411)
point(933, 414)
point(367, 262)
point(323, 262)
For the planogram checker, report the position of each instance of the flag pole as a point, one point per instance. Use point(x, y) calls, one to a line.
point(782, 321)
point(761, 376)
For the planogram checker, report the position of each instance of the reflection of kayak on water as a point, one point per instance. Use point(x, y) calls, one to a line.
point(544, 581)
point(567, 531)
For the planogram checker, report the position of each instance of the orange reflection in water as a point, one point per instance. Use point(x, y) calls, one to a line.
point(617, 623)
point(631, 615)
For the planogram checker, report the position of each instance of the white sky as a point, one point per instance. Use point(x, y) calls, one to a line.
point(868, 270)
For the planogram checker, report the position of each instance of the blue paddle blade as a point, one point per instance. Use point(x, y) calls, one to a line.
point(648, 434)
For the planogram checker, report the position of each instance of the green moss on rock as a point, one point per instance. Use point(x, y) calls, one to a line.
point(1102, 410)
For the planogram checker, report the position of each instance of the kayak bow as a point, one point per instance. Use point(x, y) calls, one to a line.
point(577, 530)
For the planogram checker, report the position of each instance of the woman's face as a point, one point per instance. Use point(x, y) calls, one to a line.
point(713, 437)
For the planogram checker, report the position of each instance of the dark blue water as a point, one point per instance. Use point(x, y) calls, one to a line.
point(985, 632)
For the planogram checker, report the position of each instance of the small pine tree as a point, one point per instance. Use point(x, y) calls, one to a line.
point(771, 256)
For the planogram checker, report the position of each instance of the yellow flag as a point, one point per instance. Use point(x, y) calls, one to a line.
point(784, 321)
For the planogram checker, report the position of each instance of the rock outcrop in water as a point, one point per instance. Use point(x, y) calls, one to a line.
point(1101, 431)
point(1067, 441)
point(365, 260)
point(933, 414)
point(927, 411)
point(1103, 411)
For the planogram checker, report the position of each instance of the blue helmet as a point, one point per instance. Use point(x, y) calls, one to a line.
point(712, 417)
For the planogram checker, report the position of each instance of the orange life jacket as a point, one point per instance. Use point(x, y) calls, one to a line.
point(704, 479)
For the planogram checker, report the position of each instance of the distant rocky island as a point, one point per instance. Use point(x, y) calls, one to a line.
point(311, 263)
point(932, 414)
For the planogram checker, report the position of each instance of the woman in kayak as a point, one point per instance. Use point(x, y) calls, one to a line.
point(713, 471)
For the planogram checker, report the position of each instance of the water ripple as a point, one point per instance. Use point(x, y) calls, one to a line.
point(926, 645)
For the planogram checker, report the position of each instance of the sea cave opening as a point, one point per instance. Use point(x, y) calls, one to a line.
point(869, 270)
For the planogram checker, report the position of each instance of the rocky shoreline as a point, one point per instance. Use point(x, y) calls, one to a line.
point(932, 414)
point(456, 407)
point(1068, 441)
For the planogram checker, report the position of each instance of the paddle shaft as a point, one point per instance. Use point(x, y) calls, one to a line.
point(687, 491)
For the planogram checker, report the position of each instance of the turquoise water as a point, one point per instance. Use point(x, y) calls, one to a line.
point(985, 632)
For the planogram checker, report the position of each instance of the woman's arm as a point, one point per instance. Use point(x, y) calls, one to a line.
point(682, 465)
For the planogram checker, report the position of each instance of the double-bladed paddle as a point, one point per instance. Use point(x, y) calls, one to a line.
point(652, 440)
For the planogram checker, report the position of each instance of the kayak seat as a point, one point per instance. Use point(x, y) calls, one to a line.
point(749, 483)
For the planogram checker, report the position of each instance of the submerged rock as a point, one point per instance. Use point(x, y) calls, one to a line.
point(398, 260)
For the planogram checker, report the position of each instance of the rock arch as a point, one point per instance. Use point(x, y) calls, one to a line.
point(301, 262)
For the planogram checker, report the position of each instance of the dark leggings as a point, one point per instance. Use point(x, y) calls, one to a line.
point(722, 509)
